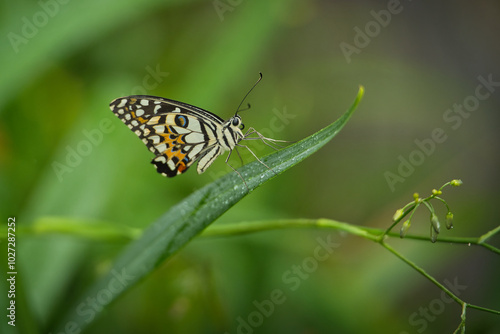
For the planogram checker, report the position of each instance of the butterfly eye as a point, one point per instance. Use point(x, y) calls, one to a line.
point(236, 121)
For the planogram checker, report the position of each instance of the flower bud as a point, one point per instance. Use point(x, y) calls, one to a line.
point(449, 220)
point(434, 235)
point(397, 215)
point(456, 183)
point(404, 229)
point(435, 222)
point(436, 192)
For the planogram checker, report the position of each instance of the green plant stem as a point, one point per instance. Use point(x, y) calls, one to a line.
point(461, 326)
point(106, 231)
point(250, 227)
point(422, 272)
point(85, 228)
point(485, 309)
point(489, 234)
point(373, 234)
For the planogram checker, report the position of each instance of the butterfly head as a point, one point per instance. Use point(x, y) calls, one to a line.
point(236, 122)
point(236, 125)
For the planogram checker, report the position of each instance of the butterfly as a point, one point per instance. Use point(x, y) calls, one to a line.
point(180, 134)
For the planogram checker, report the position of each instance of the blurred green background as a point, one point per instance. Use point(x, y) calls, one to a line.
point(64, 153)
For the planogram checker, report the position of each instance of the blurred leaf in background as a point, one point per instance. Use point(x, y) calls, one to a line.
point(423, 120)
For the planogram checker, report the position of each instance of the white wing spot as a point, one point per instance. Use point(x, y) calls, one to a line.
point(159, 128)
point(196, 149)
point(157, 107)
point(145, 102)
point(193, 138)
point(123, 102)
point(181, 130)
point(155, 139)
point(128, 117)
point(135, 123)
point(161, 147)
point(139, 112)
point(194, 125)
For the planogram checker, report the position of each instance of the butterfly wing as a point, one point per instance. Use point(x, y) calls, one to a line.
point(178, 133)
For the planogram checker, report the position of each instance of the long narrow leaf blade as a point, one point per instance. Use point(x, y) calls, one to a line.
point(187, 219)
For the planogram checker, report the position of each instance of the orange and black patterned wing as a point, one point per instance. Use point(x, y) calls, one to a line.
point(178, 133)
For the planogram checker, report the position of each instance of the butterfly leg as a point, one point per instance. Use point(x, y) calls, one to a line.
point(239, 155)
point(256, 157)
point(227, 163)
point(268, 141)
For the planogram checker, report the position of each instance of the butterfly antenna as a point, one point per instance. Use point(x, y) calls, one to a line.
point(255, 84)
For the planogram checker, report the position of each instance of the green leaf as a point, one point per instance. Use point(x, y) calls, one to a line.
point(190, 217)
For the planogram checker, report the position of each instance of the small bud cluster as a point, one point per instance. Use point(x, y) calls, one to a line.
point(435, 225)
